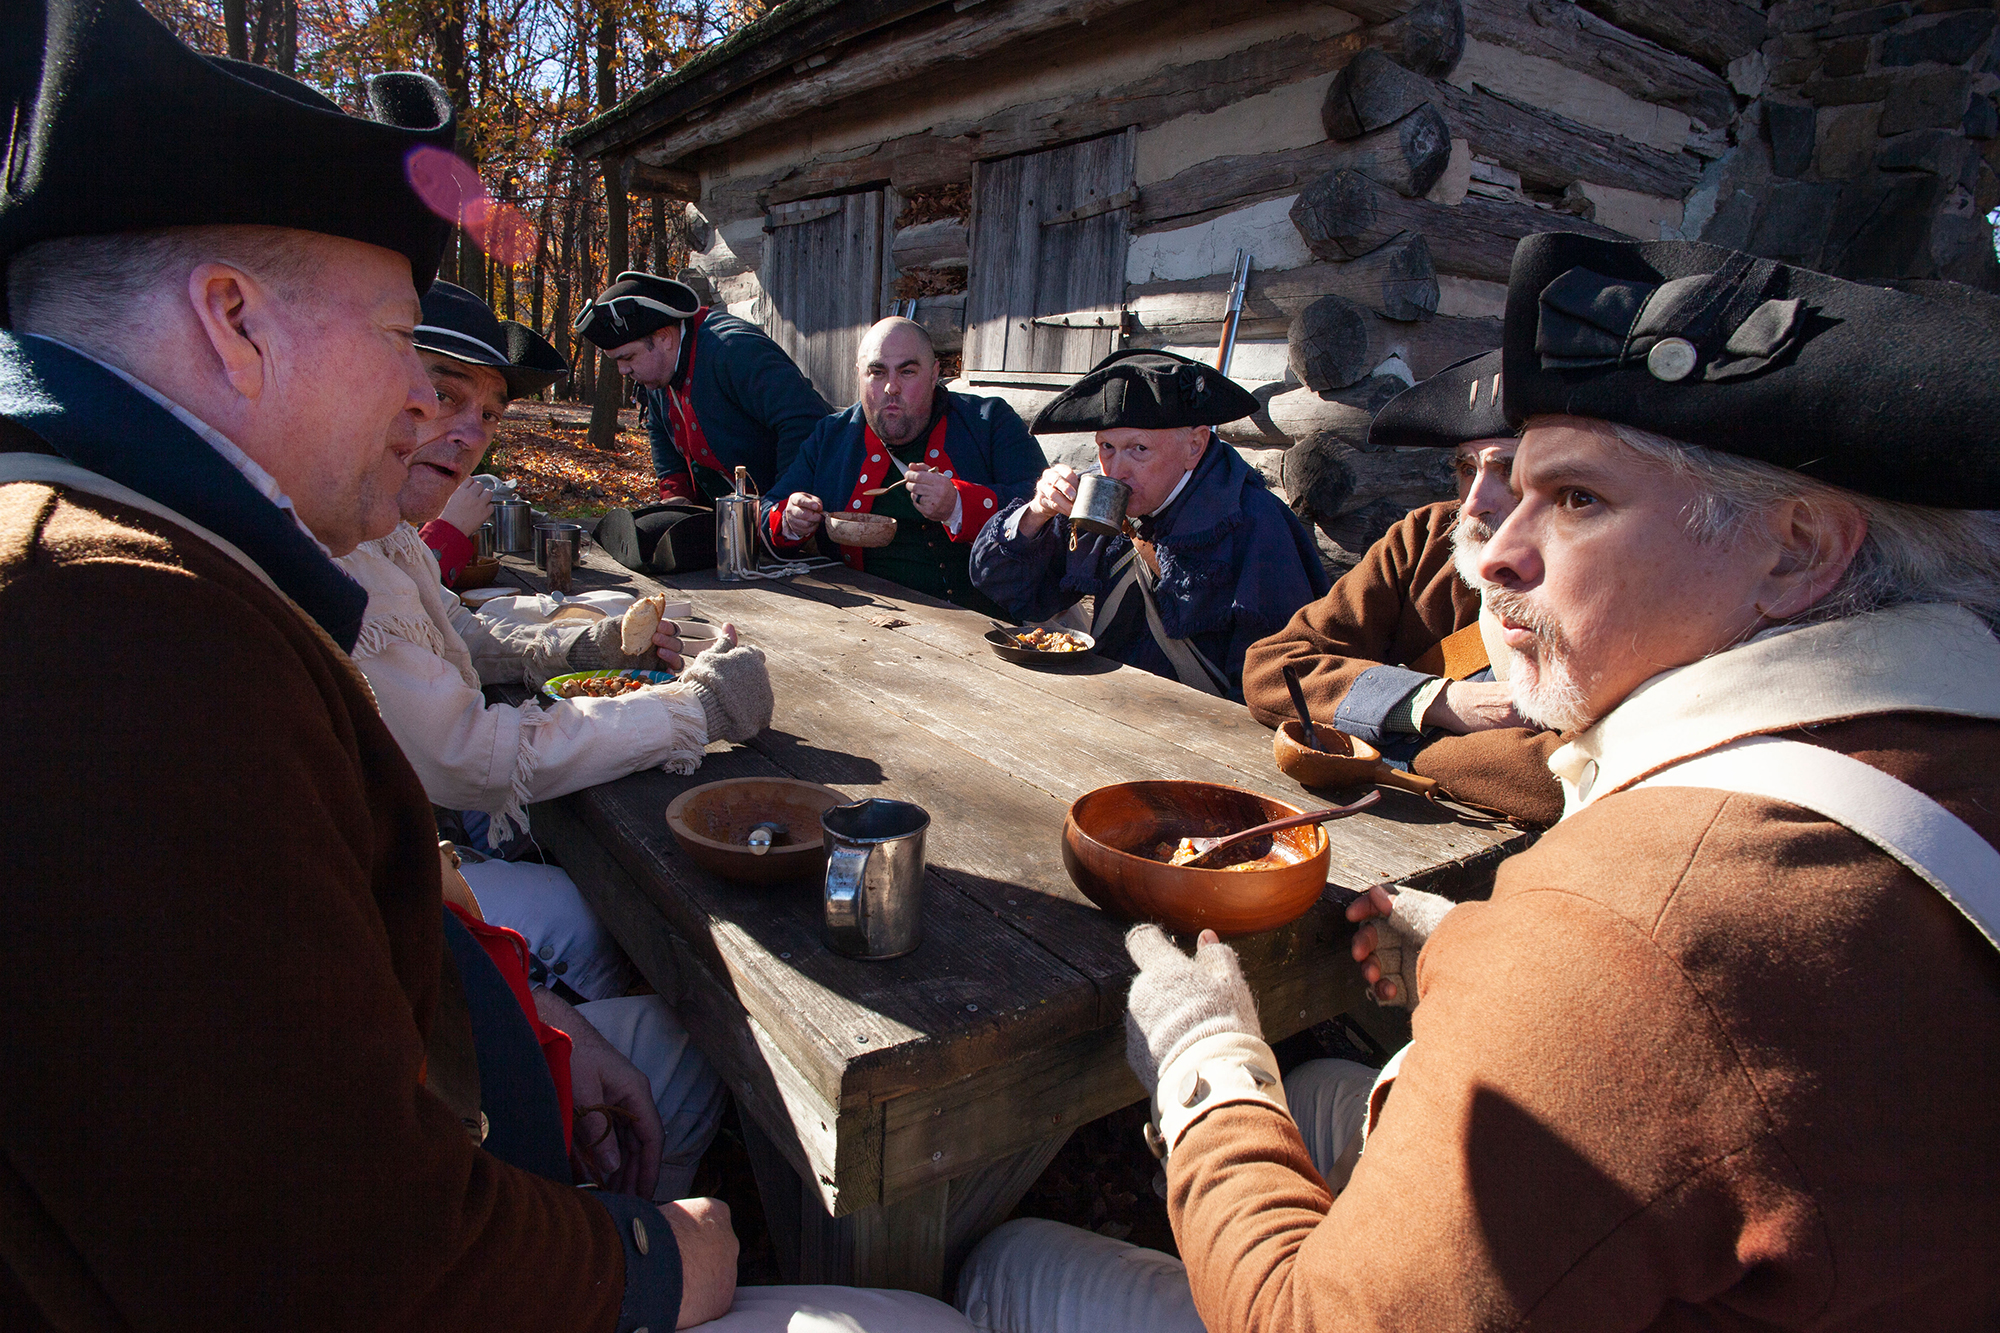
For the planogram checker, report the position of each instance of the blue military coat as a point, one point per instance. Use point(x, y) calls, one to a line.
point(754, 405)
point(1235, 563)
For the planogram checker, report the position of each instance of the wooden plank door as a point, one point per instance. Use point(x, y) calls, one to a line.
point(822, 276)
point(1049, 233)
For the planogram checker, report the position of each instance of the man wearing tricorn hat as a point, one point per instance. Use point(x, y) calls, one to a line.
point(1716, 1052)
point(261, 1078)
point(1211, 561)
point(961, 457)
point(718, 392)
point(1397, 654)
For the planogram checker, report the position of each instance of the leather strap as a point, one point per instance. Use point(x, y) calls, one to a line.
point(1191, 668)
point(1934, 844)
point(1462, 653)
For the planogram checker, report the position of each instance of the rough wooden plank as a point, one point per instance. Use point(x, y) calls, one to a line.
point(1714, 32)
point(822, 281)
point(1551, 150)
point(776, 52)
point(898, 1245)
point(934, 46)
point(1397, 280)
point(1027, 263)
point(1473, 239)
point(672, 182)
point(1570, 35)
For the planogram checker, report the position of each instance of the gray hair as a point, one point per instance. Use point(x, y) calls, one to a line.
point(1912, 554)
point(88, 288)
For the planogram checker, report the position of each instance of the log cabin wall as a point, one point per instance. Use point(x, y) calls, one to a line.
point(1062, 176)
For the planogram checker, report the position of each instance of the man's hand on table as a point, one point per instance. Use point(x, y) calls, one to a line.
point(801, 516)
point(1055, 494)
point(1466, 706)
point(469, 506)
point(932, 492)
point(708, 1258)
point(1399, 922)
point(620, 1147)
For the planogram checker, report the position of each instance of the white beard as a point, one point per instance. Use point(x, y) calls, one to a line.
point(1468, 546)
point(1545, 691)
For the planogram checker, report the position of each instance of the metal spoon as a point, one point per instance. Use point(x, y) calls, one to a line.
point(1208, 847)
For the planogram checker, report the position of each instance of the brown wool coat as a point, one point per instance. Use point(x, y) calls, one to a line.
point(1703, 1061)
point(221, 878)
point(1400, 601)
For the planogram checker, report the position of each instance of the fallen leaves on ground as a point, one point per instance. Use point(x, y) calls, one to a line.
point(546, 455)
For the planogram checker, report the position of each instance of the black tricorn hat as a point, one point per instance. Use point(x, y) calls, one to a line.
point(1459, 404)
point(459, 325)
point(1145, 389)
point(118, 127)
point(635, 305)
point(1888, 392)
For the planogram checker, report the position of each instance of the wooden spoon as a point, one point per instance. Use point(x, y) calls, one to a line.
point(884, 490)
point(1208, 847)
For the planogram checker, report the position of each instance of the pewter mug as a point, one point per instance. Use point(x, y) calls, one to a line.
point(514, 526)
point(556, 530)
point(560, 549)
point(1100, 504)
point(483, 540)
point(874, 877)
point(735, 537)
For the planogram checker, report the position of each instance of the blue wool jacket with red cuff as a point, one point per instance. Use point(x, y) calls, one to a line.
point(1235, 563)
point(979, 442)
point(754, 405)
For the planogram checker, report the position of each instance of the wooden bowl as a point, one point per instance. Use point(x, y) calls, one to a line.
point(1341, 761)
point(477, 573)
point(712, 824)
point(1110, 833)
point(861, 529)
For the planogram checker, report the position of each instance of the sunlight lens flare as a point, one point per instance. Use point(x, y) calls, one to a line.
point(450, 188)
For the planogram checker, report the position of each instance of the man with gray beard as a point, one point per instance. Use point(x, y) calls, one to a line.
point(1397, 655)
point(1709, 1056)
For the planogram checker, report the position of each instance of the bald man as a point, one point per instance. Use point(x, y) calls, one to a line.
point(964, 458)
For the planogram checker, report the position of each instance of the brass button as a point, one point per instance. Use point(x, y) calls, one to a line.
point(640, 1241)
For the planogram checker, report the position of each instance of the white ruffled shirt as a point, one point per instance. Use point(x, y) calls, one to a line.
point(426, 656)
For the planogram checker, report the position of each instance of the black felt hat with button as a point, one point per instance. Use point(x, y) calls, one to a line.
point(459, 325)
point(1146, 390)
point(1887, 391)
point(116, 126)
point(635, 305)
point(1459, 404)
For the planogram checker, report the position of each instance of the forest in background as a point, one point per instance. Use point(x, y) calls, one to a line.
point(520, 72)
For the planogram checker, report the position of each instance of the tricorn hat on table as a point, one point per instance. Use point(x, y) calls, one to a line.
point(1459, 404)
point(117, 126)
point(459, 325)
point(635, 305)
point(1886, 391)
point(1145, 390)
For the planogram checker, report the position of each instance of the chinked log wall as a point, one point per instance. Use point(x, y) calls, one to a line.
point(1493, 119)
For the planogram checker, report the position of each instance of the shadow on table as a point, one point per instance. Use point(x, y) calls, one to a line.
point(813, 763)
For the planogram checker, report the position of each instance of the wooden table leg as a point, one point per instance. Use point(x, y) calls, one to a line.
point(916, 1243)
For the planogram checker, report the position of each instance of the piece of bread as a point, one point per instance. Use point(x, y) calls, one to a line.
point(636, 633)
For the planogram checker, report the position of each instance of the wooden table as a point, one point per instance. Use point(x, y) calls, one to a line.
point(898, 1110)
